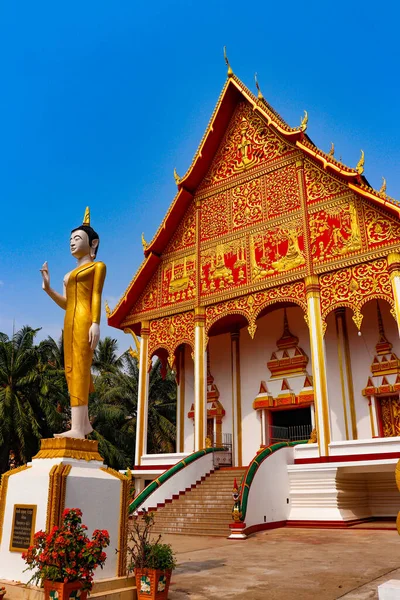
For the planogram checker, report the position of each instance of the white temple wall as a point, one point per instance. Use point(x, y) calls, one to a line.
point(188, 431)
point(254, 355)
point(335, 398)
point(221, 370)
point(362, 351)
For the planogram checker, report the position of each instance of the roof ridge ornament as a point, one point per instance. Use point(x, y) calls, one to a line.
point(332, 150)
point(304, 121)
point(144, 243)
point(259, 95)
point(176, 177)
point(230, 72)
point(360, 164)
point(383, 188)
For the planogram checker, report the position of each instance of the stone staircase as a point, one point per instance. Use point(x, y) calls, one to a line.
point(203, 510)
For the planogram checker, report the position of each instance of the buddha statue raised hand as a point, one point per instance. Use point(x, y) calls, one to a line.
point(81, 300)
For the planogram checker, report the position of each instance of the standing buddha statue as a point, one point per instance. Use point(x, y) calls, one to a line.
point(81, 300)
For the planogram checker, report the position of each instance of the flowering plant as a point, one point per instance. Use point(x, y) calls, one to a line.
point(66, 553)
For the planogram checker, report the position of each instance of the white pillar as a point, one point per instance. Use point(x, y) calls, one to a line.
point(143, 387)
point(346, 376)
point(236, 400)
point(394, 270)
point(200, 381)
point(262, 415)
point(318, 363)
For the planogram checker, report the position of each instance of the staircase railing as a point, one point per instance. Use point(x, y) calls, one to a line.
point(240, 506)
point(149, 489)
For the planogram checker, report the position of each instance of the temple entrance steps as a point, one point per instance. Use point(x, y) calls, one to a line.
point(204, 510)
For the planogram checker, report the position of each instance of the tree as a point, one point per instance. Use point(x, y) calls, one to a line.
point(105, 356)
point(28, 397)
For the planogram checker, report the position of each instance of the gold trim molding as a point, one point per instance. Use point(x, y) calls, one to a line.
point(3, 492)
point(69, 448)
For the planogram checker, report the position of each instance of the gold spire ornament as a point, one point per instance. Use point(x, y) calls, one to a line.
point(230, 72)
point(304, 121)
point(383, 188)
point(360, 164)
point(176, 177)
point(86, 218)
point(144, 243)
point(332, 150)
point(108, 309)
point(259, 95)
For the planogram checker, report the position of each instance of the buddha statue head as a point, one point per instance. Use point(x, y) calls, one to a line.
point(84, 240)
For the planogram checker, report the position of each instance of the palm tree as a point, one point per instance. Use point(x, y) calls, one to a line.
point(27, 409)
point(105, 356)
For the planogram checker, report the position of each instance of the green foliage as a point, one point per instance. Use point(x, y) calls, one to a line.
point(144, 552)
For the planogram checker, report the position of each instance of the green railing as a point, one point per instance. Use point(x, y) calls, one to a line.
point(149, 489)
point(253, 468)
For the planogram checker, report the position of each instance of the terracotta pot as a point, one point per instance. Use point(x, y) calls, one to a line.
point(152, 584)
point(63, 591)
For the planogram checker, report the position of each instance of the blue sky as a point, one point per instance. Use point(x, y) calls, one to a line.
point(101, 100)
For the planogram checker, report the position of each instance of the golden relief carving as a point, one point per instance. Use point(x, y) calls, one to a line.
point(185, 235)
point(148, 299)
point(223, 266)
point(251, 305)
point(178, 279)
point(214, 216)
point(171, 332)
point(335, 231)
point(390, 408)
point(247, 204)
point(281, 191)
point(354, 286)
point(277, 250)
point(380, 228)
point(247, 143)
point(320, 185)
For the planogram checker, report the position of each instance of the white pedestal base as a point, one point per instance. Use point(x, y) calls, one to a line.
point(389, 590)
point(54, 483)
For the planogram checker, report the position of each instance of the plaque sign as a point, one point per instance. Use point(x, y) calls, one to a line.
point(23, 527)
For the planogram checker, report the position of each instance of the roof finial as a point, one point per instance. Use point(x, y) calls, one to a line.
point(360, 164)
point(176, 177)
point(108, 309)
point(304, 121)
point(230, 72)
point(383, 188)
point(332, 150)
point(144, 243)
point(260, 96)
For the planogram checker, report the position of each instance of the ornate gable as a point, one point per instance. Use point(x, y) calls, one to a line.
point(247, 143)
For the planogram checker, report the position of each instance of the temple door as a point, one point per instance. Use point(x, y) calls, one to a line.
point(390, 416)
point(210, 430)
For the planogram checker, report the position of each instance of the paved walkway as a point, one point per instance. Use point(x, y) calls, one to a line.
point(285, 564)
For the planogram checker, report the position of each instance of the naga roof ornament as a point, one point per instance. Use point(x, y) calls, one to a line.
point(176, 177)
point(332, 150)
point(259, 95)
point(383, 188)
point(304, 121)
point(360, 164)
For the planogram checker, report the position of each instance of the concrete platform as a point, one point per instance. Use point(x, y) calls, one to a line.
point(286, 564)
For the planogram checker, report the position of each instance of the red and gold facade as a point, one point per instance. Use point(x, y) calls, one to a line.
point(261, 218)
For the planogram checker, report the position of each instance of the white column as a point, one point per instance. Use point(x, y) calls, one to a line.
point(143, 387)
point(394, 270)
point(346, 376)
point(200, 381)
point(318, 359)
point(262, 415)
point(236, 400)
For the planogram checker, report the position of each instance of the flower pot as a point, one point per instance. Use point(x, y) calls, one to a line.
point(2, 594)
point(54, 590)
point(152, 584)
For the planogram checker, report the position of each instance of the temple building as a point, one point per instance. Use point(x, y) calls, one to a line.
point(272, 290)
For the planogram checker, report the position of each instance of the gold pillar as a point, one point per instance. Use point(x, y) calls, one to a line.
point(236, 399)
point(200, 380)
point(394, 270)
point(318, 363)
point(346, 377)
point(141, 413)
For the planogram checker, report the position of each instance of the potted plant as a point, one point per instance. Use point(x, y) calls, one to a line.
point(2, 592)
point(151, 560)
point(65, 558)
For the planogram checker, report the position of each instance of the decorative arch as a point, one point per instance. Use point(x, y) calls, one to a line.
point(251, 305)
point(169, 333)
point(355, 286)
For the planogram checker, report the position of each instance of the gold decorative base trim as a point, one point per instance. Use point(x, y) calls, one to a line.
point(69, 448)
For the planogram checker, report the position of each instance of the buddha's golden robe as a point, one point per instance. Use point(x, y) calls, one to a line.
point(83, 291)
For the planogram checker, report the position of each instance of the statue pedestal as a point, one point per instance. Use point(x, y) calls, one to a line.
point(66, 473)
